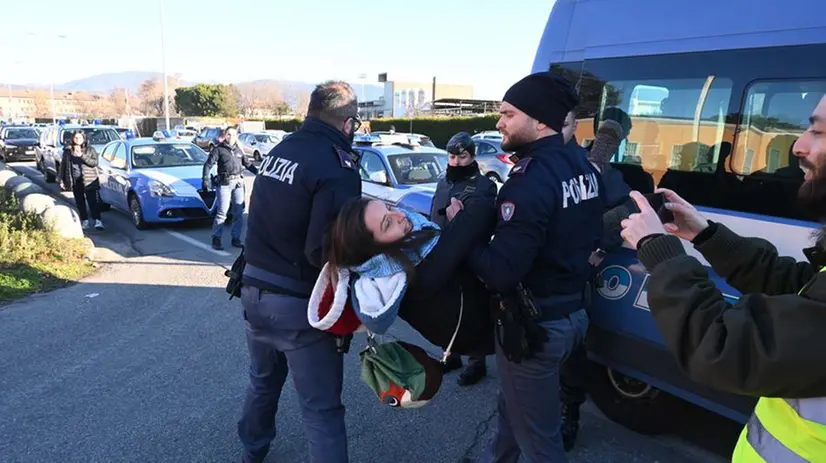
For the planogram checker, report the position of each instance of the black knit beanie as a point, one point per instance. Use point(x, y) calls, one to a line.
point(544, 96)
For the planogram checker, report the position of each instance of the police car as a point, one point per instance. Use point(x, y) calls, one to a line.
point(401, 175)
point(155, 180)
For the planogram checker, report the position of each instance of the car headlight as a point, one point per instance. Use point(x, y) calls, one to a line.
point(157, 188)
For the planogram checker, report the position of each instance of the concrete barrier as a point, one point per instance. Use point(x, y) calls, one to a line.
point(51, 215)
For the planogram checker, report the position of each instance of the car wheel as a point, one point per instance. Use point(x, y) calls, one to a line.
point(137, 213)
point(493, 176)
point(50, 178)
point(634, 404)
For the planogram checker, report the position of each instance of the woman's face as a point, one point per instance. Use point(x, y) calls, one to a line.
point(77, 139)
point(387, 225)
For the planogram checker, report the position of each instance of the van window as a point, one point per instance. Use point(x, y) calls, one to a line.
point(674, 124)
point(775, 114)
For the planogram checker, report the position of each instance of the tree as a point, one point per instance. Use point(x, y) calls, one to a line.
point(151, 95)
point(206, 100)
point(302, 101)
point(280, 108)
point(259, 98)
point(42, 103)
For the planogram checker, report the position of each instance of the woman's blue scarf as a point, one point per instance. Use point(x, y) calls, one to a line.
point(375, 295)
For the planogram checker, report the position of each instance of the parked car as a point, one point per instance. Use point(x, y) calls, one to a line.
point(493, 162)
point(49, 150)
point(256, 145)
point(155, 180)
point(18, 143)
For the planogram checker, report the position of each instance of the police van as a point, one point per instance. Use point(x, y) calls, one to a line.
point(713, 96)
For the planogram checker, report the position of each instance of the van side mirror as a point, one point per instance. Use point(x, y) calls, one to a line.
point(379, 177)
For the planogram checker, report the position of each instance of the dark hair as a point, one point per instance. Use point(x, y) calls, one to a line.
point(85, 146)
point(228, 128)
point(333, 102)
point(350, 243)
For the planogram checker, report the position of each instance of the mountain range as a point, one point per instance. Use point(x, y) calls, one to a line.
point(132, 80)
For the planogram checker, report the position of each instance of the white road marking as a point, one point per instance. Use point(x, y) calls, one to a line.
point(197, 243)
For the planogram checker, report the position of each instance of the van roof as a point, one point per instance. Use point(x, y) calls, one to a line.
point(590, 29)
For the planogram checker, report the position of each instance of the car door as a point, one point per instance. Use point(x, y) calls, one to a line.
point(105, 170)
point(119, 178)
point(375, 180)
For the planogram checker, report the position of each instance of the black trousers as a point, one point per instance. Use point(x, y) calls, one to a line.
point(83, 196)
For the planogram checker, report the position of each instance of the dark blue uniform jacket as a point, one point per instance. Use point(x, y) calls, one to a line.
point(549, 221)
point(301, 185)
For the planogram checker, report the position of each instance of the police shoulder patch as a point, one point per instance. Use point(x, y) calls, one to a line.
point(346, 158)
point(521, 166)
point(506, 210)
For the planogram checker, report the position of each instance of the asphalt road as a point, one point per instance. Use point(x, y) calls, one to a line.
point(146, 361)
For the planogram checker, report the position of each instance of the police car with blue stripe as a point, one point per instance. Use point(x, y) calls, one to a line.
point(402, 175)
point(155, 180)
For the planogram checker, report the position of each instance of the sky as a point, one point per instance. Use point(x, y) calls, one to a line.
point(479, 42)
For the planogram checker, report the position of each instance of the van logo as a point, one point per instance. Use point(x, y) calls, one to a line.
point(616, 282)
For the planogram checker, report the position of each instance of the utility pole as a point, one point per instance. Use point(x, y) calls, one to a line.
point(165, 84)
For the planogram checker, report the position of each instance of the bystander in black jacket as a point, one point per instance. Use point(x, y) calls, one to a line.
point(85, 166)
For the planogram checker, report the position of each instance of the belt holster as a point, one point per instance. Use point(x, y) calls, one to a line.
point(235, 275)
point(517, 325)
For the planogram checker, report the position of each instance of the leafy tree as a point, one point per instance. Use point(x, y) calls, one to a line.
point(206, 100)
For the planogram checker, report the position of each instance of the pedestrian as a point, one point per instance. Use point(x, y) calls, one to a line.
point(461, 181)
point(78, 172)
point(549, 222)
point(230, 190)
point(768, 344)
point(301, 186)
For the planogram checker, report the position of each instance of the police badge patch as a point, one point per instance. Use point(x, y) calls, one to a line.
point(507, 210)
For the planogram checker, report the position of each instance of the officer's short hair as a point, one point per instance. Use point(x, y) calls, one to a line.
point(333, 102)
point(228, 128)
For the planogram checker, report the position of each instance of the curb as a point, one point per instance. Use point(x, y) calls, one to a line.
point(51, 215)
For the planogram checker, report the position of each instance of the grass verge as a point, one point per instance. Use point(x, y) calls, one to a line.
point(35, 260)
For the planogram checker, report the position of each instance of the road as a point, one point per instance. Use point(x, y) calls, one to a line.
point(146, 361)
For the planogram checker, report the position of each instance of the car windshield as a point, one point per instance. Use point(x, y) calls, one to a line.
point(416, 168)
point(264, 139)
point(17, 134)
point(167, 155)
point(96, 136)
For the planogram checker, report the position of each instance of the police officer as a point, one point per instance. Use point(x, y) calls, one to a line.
point(230, 194)
point(549, 221)
point(462, 179)
point(301, 186)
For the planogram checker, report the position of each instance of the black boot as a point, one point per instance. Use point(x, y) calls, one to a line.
point(570, 425)
point(454, 362)
point(216, 243)
point(472, 374)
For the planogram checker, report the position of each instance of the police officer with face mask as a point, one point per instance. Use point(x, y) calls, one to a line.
point(462, 180)
point(301, 186)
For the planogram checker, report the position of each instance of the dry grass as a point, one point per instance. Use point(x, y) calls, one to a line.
point(34, 260)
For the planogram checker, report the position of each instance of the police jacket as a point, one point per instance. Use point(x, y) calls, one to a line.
point(230, 159)
point(301, 185)
point(444, 283)
point(770, 343)
point(460, 188)
point(549, 221)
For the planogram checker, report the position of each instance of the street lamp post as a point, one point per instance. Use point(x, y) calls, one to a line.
point(165, 83)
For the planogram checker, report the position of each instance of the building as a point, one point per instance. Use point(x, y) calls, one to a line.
point(407, 98)
point(24, 105)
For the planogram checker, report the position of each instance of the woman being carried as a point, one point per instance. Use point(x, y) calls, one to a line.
point(397, 263)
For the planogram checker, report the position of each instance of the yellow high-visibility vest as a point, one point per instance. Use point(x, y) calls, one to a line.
point(784, 431)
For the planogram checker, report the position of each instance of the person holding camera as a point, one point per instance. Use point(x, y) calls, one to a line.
point(230, 194)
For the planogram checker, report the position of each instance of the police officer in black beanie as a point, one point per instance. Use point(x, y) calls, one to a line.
point(462, 180)
point(549, 220)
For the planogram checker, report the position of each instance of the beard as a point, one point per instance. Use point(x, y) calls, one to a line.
point(516, 140)
point(812, 193)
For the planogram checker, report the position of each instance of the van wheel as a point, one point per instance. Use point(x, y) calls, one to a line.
point(137, 213)
point(634, 404)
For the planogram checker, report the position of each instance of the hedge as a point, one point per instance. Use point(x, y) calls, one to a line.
point(439, 129)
